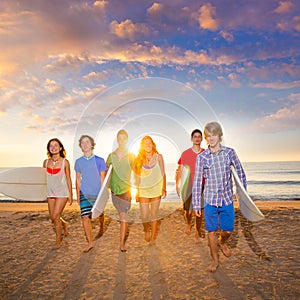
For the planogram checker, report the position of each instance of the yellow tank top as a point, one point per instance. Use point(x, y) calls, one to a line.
point(151, 181)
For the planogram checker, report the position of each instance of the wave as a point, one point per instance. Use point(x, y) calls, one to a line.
point(273, 182)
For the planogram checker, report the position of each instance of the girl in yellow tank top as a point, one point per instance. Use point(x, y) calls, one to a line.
point(150, 184)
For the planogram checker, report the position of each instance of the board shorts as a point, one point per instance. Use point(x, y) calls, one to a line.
point(86, 204)
point(121, 202)
point(221, 217)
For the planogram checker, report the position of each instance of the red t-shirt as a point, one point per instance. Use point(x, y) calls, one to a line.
point(188, 157)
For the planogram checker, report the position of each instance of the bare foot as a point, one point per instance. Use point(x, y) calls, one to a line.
point(197, 238)
point(213, 267)
point(152, 242)
point(147, 236)
point(88, 248)
point(225, 250)
point(66, 228)
point(188, 229)
point(56, 246)
point(123, 249)
point(98, 236)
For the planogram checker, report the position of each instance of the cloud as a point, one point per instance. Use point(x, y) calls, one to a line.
point(207, 17)
point(296, 23)
point(234, 80)
point(128, 29)
point(284, 7)
point(276, 85)
point(227, 36)
point(155, 8)
point(286, 118)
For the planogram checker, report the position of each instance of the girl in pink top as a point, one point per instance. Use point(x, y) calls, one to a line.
point(59, 186)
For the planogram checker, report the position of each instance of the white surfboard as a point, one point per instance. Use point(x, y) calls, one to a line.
point(103, 195)
point(248, 208)
point(185, 183)
point(28, 183)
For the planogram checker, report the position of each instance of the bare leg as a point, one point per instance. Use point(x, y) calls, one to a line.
point(101, 228)
point(145, 215)
point(213, 245)
point(200, 233)
point(87, 227)
point(56, 207)
point(154, 222)
point(65, 226)
point(188, 221)
point(123, 230)
point(224, 236)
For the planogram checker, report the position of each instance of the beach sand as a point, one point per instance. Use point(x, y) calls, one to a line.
point(265, 261)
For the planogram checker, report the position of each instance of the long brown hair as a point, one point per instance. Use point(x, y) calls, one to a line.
point(62, 151)
point(141, 157)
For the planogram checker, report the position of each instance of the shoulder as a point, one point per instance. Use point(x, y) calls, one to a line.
point(79, 159)
point(187, 152)
point(98, 158)
point(131, 155)
point(159, 157)
point(109, 156)
point(228, 150)
point(205, 152)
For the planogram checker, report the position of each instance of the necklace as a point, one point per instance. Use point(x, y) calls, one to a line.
point(54, 161)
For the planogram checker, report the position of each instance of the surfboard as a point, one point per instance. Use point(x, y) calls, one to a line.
point(185, 183)
point(103, 195)
point(28, 183)
point(248, 208)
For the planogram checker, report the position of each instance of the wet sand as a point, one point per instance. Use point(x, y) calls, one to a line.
point(265, 261)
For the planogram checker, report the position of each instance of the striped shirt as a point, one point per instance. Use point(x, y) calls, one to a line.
point(215, 169)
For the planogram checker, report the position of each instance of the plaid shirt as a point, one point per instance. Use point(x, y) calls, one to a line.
point(215, 169)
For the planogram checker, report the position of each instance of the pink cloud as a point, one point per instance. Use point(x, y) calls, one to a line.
point(286, 118)
point(284, 7)
point(207, 17)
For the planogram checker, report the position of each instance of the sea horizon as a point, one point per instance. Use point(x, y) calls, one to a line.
point(266, 181)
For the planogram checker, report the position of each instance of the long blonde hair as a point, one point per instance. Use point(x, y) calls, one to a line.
point(141, 157)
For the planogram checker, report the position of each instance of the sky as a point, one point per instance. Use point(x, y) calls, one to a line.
point(151, 67)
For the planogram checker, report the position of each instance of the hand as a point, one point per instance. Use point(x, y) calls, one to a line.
point(137, 197)
point(198, 213)
point(70, 200)
point(164, 194)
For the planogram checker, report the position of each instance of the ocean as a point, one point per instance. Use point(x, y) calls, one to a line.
point(266, 181)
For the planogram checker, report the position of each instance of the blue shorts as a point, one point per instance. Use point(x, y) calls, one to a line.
point(219, 217)
point(86, 205)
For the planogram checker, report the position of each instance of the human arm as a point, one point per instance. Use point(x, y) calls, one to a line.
point(78, 184)
point(45, 163)
point(102, 176)
point(177, 178)
point(69, 181)
point(239, 168)
point(197, 186)
point(198, 213)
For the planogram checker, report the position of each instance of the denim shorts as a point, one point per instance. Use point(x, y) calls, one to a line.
point(219, 217)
